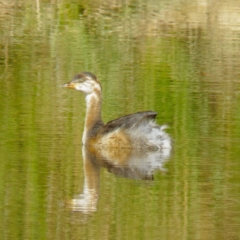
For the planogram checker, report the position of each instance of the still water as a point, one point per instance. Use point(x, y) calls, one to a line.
point(179, 58)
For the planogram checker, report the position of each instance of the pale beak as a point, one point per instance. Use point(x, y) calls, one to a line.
point(68, 85)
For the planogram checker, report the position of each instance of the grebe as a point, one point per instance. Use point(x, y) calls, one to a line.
point(138, 130)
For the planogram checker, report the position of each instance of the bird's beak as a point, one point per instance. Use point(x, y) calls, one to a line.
point(69, 85)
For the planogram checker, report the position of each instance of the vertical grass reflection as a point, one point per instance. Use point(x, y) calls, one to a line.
point(185, 68)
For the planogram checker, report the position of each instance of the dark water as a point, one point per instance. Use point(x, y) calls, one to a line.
point(179, 58)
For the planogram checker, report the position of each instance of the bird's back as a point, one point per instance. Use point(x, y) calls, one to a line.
point(138, 130)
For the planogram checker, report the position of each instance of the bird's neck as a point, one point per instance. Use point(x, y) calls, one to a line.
point(93, 118)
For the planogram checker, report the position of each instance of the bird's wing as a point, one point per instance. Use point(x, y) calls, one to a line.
point(128, 121)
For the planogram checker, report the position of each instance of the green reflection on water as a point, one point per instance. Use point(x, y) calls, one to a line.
point(187, 70)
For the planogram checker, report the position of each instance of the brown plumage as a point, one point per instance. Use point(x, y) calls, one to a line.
point(138, 130)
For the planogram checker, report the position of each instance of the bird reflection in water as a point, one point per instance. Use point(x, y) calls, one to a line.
point(128, 163)
point(131, 146)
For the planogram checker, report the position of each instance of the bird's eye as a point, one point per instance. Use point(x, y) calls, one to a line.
point(80, 80)
point(88, 83)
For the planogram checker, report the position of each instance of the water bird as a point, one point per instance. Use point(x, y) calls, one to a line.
point(137, 130)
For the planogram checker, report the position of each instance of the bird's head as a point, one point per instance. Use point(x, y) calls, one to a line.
point(85, 82)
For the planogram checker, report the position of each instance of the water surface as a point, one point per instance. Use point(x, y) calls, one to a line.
point(178, 58)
